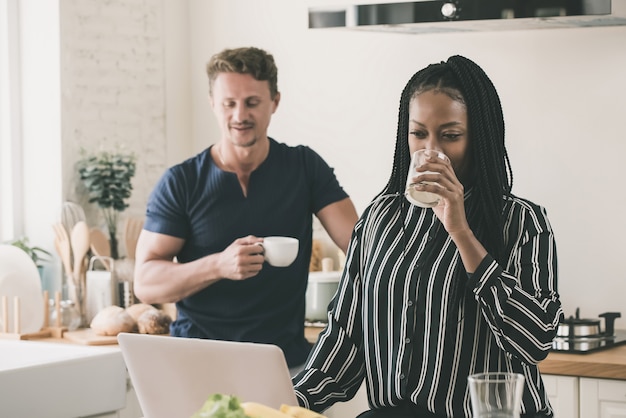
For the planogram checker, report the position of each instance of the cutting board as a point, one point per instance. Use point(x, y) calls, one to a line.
point(87, 336)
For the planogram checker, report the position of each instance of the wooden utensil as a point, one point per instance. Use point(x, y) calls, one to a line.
point(80, 247)
point(63, 247)
point(64, 257)
point(71, 213)
point(131, 235)
point(100, 245)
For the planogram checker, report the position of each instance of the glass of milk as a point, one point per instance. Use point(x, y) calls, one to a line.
point(419, 197)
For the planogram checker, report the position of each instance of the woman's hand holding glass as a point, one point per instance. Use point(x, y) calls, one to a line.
point(431, 171)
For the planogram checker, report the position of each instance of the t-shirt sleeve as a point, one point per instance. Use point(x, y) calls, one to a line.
point(165, 210)
point(325, 188)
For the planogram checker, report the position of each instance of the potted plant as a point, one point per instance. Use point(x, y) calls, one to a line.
point(107, 177)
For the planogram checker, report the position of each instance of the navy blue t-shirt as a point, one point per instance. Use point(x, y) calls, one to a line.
point(202, 204)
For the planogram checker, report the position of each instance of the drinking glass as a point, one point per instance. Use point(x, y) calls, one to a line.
point(496, 394)
point(419, 197)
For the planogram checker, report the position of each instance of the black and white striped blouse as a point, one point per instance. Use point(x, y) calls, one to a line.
point(409, 320)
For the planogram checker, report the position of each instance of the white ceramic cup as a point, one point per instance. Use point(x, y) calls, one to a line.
point(419, 197)
point(496, 394)
point(280, 251)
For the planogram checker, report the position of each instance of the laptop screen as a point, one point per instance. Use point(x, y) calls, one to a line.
point(174, 376)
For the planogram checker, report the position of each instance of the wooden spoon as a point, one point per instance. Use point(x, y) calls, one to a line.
point(100, 245)
point(131, 234)
point(80, 247)
point(63, 247)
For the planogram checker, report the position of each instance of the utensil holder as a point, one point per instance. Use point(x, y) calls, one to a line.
point(101, 287)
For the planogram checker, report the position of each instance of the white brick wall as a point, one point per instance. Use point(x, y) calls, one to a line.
point(113, 90)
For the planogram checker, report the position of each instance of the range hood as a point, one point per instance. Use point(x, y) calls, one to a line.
point(428, 16)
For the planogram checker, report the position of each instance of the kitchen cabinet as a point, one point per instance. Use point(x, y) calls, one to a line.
point(563, 394)
point(586, 397)
point(602, 398)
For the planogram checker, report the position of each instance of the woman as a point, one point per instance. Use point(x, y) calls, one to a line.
point(430, 296)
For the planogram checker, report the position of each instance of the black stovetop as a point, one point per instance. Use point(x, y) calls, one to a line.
point(584, 345)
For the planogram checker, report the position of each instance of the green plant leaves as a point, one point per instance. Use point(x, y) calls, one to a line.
point(107, 177)
point(37, 254)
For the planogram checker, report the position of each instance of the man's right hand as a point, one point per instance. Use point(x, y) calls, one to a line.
point(158, 279)
point(242, 259)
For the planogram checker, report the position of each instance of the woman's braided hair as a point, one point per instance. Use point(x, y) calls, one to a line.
point(491, 175)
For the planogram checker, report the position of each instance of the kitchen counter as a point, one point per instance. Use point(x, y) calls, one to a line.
point(41, 378)
point(607, 364)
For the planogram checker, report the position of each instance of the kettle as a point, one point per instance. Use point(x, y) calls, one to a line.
point(575, 327)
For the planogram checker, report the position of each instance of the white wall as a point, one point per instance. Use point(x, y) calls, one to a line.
point(563, 93)
point(40, 123)
point(113, 90)
point(40, 113)
point(95, 75)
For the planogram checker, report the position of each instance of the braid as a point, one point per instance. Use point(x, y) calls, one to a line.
point(493, 178)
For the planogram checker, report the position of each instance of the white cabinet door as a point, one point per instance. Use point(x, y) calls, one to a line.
point(563, 394)
point(602, 398)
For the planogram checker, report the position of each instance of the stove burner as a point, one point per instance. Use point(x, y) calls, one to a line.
point(576, 335)
point(583, 345)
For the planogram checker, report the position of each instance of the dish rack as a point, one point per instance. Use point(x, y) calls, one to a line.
point(13, 331)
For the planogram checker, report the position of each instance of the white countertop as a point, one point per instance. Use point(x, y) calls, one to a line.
point(16, 354)
point(60, 380)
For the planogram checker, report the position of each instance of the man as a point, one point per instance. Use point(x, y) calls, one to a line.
point(211, 211)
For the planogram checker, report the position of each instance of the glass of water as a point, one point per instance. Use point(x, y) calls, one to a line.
point(496, 394)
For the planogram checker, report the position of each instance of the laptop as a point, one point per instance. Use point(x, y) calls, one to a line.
point(174, 376)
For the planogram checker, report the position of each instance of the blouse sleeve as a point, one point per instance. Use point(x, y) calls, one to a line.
point(521, 303)
point(335, 368)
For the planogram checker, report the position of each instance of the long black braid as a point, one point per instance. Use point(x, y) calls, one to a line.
point(491, 177)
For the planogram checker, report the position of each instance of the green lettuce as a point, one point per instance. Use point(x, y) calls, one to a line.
point(221, 406)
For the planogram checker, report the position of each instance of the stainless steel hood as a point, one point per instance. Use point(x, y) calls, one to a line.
point(428, 16)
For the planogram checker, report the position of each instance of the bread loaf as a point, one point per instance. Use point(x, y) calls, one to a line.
point(112, 320)
point(154, 321)
point(137, 309)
